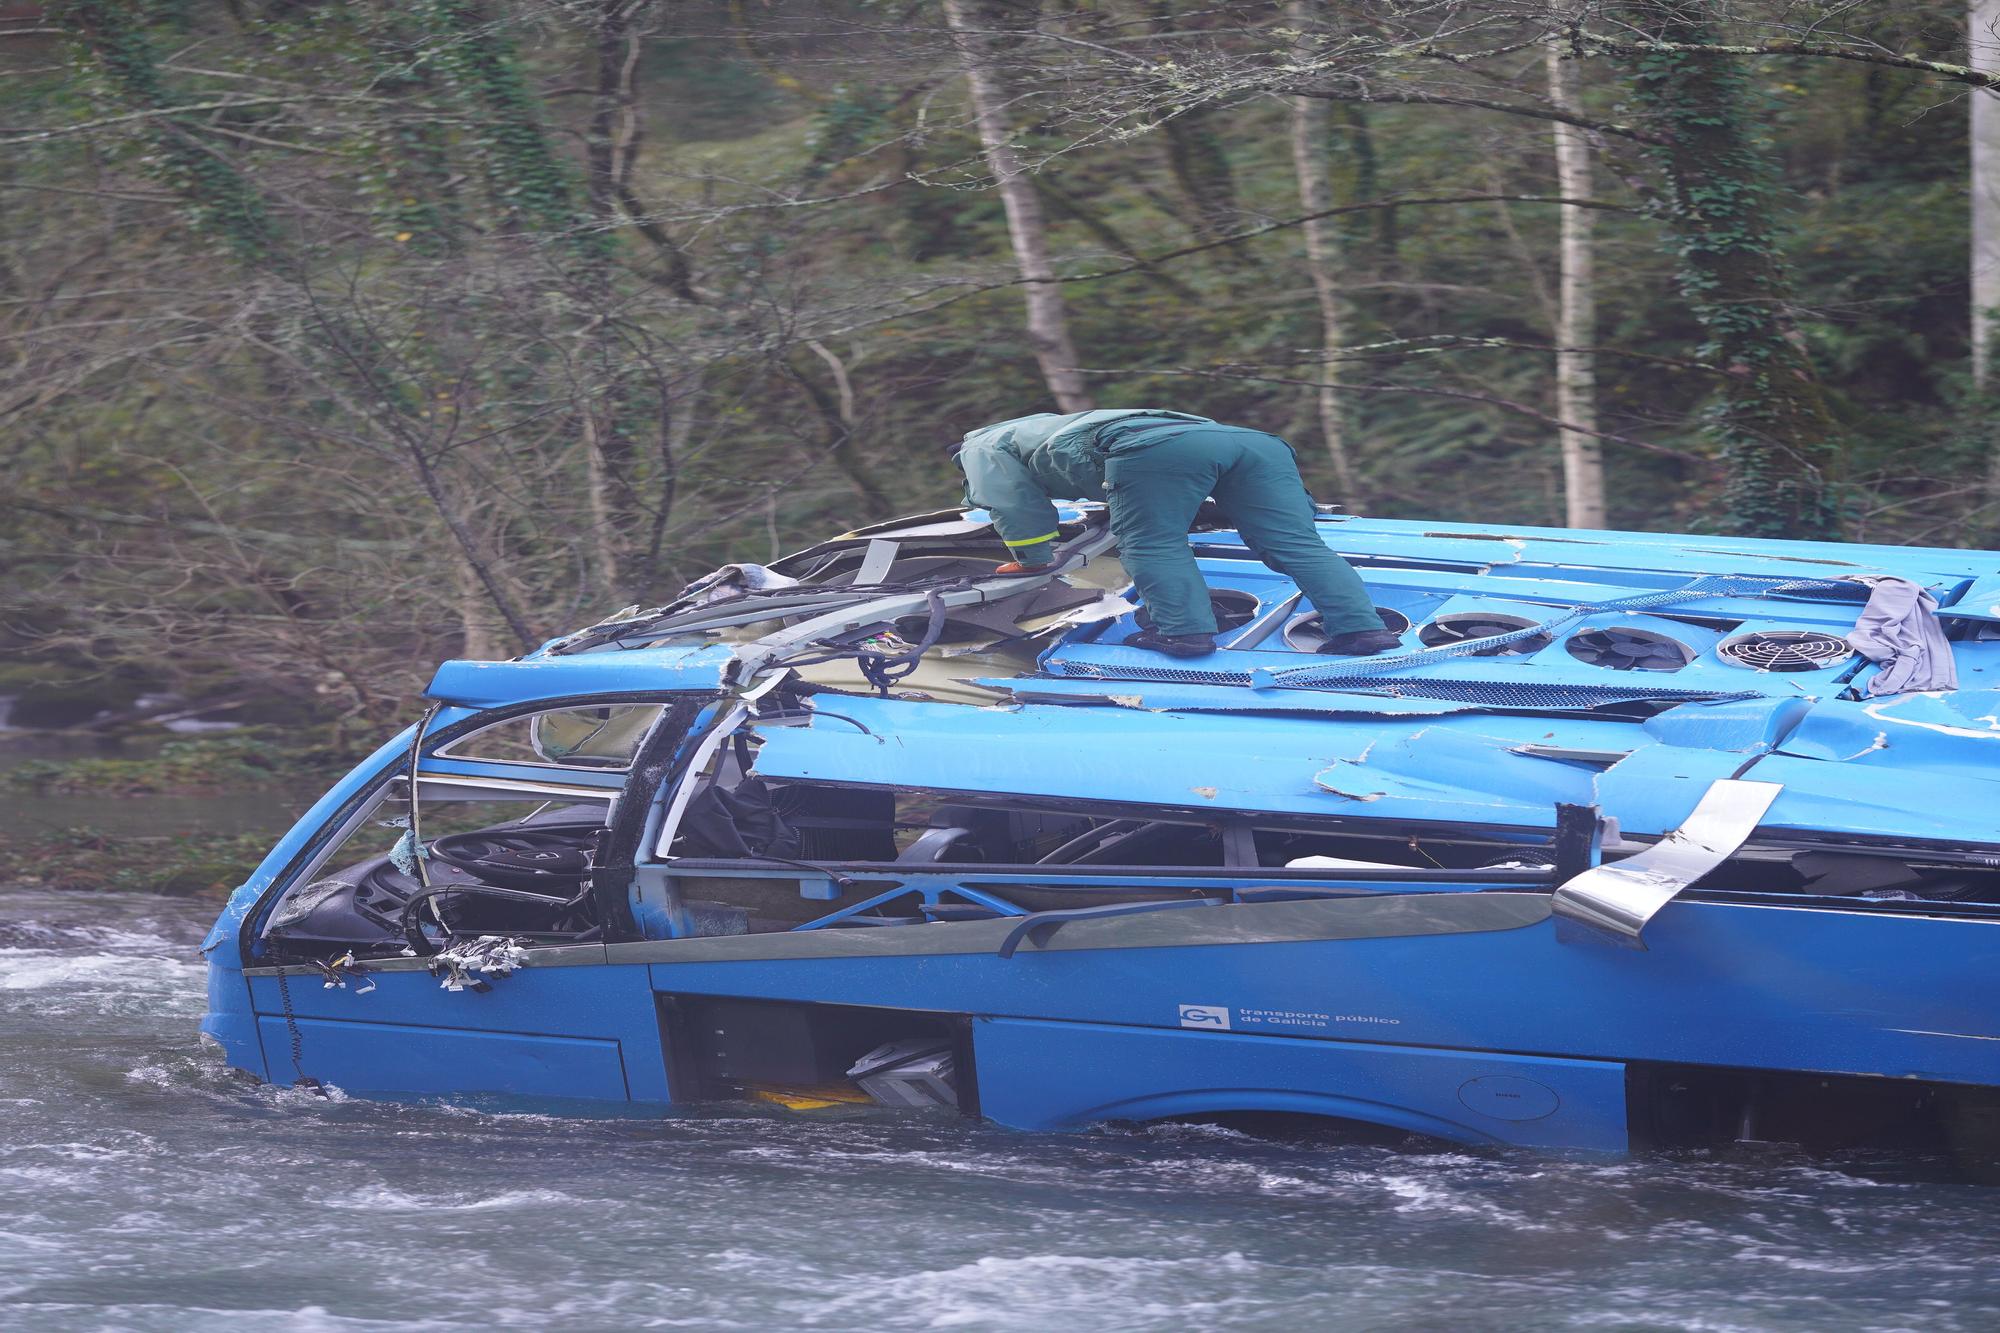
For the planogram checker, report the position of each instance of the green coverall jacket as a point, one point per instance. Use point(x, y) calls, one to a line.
point(1154, 469)
point(1012, 468)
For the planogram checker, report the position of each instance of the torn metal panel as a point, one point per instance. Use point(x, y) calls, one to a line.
point(731, 582)
point(800, 639)
point(1656, 787)
point(1572, 754)
point(1746, 726)
point(876, 559)
point(1928, 735)
point(1457, 774)
point(1619, 899)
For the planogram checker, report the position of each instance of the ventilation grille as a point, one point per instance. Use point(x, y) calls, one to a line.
point(1516, 694)
point(1623, 648)
point(1307, 632)
point(1170, 675)
point(1785, 650)
point(1465, 626)
point(1233, 610)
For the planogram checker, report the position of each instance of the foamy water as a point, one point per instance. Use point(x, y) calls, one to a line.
point(142, 1187)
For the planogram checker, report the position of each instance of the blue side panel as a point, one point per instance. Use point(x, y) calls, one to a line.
point(231, 1021)
point(1058, 1075)
point(1756, 987)
point(377, 1058)
point(594, 1005)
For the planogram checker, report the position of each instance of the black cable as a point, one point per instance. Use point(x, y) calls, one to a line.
point(304, 1079)
point(883, 671)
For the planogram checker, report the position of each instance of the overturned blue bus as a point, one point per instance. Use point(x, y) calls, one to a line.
point(1625, 847)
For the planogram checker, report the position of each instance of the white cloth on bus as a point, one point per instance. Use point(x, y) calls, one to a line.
point(1899, 630)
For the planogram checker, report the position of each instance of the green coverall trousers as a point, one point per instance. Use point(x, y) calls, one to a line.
point(1154, 489)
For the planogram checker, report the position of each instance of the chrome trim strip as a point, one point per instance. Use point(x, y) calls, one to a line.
point(1619, 899)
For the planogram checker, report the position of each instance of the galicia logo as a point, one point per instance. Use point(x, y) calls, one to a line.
point(1204, 1016)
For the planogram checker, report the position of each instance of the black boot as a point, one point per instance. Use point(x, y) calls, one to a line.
point(1173, 645)
point(1360, 643)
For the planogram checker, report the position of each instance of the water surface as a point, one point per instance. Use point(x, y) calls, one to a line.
point(142, 1187)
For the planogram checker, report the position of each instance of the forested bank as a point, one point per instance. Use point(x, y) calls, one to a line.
point(342, 338)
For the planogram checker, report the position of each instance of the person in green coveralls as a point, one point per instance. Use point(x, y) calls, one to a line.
point(1154, 469)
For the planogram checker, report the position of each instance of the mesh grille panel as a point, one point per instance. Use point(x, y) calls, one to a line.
point(1171, 675)
point(1518, 694)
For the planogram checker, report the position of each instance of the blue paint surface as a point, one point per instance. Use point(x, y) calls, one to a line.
point(374, 1059)
point(1063, 1075)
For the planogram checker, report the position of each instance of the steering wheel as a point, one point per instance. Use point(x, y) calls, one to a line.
point(538, 858)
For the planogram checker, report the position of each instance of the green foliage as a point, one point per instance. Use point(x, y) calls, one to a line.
point(1769, 423)
point(240, 761)
point(525, 178)
point(240, 329)
point(221, 204)
point(178, 865)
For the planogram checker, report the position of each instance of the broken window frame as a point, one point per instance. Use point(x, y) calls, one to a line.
point(979, 881)
point(455, 748)
point(389, 787)
point(984, 885)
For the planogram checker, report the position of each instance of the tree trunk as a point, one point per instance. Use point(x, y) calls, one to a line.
point(603, 406)
point(1311, 117)
point(1048, 317)
point(1983, 42)
point(480, 638)
point(609, 517)
point(1772, 423)
point(1199, 165)
point(1576, 312)
point(1983, 39)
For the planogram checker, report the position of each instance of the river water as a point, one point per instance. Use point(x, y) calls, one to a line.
point(142, 1187)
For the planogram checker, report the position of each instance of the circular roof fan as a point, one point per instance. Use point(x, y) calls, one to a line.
point(1622, 648)
point(1785, 650)
point(1307, 632)
point(1461, 626)
point(1233, 610)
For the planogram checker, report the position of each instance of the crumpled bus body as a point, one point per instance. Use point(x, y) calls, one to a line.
point(1619, 850)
